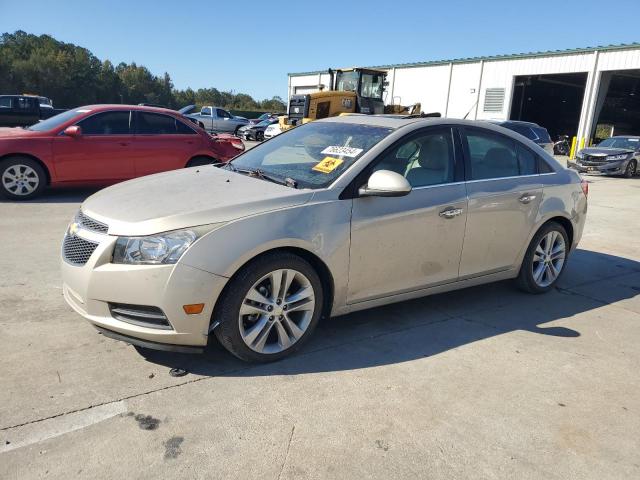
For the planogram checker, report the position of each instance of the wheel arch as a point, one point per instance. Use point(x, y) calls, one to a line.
point(31, 157)
point(215, 160)
point(316, 262)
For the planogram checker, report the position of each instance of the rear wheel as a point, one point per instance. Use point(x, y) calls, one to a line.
point(260, 136)
point(545, 259)
point(630, 171)
point(270, 308)
point(235, 132)
point(21, 178)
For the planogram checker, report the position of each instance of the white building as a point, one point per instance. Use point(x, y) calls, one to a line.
point(569, 91)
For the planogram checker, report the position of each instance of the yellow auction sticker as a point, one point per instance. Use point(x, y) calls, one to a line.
point(327, 165)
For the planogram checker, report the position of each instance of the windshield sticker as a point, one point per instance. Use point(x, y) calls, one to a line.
point(327, 165)
point(342, 151)
point(630, 139)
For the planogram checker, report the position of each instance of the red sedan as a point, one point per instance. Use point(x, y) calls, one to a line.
point(102, 145)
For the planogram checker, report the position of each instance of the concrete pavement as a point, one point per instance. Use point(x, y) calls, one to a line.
point(483, 383)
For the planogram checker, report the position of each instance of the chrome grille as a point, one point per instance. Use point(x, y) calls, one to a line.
point(91, 224)
point(594, 160)
point(77, 250)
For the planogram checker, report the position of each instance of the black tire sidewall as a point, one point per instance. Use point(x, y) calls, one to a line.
point(627, 171)
point(42, 178)
point(525, 279)
point(200, 161)
point(227, 309)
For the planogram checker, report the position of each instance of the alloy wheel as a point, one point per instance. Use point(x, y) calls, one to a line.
point(20, 179)
point(276, 311)
point(548, 258)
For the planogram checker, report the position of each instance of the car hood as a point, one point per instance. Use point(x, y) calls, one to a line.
point(187, 109)
point(603, 151)
point(187, 198)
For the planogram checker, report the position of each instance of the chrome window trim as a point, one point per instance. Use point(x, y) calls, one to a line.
point(510, 177)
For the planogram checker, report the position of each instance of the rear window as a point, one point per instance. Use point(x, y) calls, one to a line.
point(542, 134)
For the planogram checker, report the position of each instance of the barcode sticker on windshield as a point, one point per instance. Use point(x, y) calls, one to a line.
point(342, 151)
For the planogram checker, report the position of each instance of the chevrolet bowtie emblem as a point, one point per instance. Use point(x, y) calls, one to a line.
point(73, 228)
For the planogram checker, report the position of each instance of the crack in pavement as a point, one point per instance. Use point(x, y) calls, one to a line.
point(286, 456)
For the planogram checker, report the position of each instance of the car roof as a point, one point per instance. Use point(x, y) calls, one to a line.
point(117, 106)
point(625, 136)
point(515, 122)
point(394, 121)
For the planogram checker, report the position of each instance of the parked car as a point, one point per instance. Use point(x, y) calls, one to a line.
point(532, 131)
point(215, 119)
point(256, 131)
point(334, 216)
point(612, 156)
point(272, 130)
point(101, 145)
point(263, 117)
point(24, 110)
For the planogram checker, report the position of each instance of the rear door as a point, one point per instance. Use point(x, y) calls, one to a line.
point(103, 153)
point(504, 191)
point(161, 143)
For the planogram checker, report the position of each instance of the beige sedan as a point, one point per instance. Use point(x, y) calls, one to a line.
point(328, 218)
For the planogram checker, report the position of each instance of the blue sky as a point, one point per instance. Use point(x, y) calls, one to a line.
point(250, 46)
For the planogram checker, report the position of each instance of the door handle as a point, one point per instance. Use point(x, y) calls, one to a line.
point(451, 212)
point(526, 198)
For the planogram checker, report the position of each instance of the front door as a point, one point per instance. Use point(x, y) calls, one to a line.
point(407, 243)
point(504, 191)
point(102, 153)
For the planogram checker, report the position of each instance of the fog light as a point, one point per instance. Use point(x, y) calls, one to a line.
point(193, 309)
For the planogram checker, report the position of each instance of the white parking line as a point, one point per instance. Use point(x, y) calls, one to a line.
point(54, 427)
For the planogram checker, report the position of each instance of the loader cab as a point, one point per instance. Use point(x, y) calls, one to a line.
point(367, 84)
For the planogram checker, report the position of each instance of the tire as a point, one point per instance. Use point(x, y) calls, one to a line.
point(199, 161)
point(257, 335)
point(21, 178)
point(235, 132)
point(529, 279)
point(259, 136)
point(631, 169)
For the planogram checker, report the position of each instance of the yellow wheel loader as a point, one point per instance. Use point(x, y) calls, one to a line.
point(353, 90)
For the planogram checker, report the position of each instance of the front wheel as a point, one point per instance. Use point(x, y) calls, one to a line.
point(545, 259)
point(630, 171)
point(21, 178)
point(270, 308)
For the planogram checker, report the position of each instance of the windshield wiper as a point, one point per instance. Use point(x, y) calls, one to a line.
point(256, 172)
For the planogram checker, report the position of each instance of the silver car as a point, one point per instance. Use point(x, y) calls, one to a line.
point(331, 217)
point(613, 156)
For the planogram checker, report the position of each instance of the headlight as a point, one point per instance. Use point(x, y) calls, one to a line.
point(617, 157)
point(161, 249)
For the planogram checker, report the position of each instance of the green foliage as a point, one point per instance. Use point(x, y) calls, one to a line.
point(72, 76)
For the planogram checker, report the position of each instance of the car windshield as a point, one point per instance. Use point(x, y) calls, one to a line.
point(620, 142)
point(312, 155)
point(55, 121)
point(264, 123)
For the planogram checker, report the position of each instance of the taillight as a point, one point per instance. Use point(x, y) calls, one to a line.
point(238, 144)
point(585, 187)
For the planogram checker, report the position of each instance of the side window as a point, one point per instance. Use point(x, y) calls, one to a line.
point(491, 155)
point(526, 131)
point(5, 102)
point(206, 111)
point(155, 124)
point(527, 161)
point(543, 167)
point(183, 129)
point(107, 123)
point(223, 113)
point(425, 159)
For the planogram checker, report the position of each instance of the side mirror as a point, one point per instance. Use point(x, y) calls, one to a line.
point(73, 131)
point(385, 183)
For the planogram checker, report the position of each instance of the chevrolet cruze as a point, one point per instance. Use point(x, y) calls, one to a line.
point(331, 217)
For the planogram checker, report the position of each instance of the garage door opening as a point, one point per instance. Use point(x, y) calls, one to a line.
point(552, 101)
point(617, 109)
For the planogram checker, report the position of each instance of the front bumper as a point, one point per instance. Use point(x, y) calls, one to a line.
point(610, 168)
point(90, 288)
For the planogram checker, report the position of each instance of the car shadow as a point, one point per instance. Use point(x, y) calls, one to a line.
point(59, 195)
point(431, 325)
